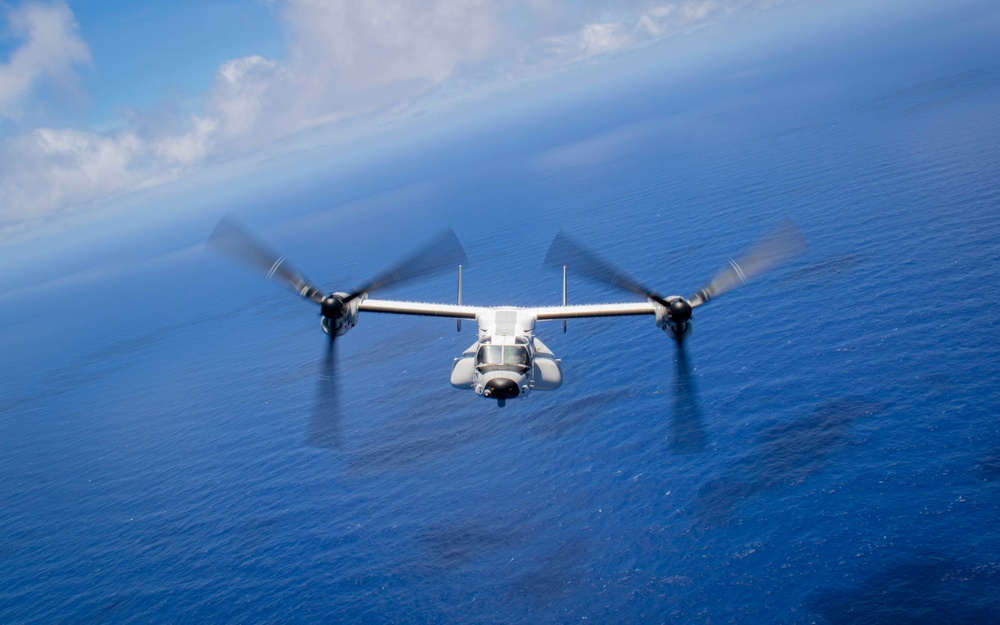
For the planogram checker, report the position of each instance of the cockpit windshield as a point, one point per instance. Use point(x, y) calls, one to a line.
point(503, 357)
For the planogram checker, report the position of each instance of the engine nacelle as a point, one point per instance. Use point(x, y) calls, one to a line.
point(678, 331)
point(339, 317)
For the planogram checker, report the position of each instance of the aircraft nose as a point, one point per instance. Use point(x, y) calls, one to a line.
point(500, 388)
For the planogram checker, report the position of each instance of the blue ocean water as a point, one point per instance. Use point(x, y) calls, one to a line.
point(155, 407)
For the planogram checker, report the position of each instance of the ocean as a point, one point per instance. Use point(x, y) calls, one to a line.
point(155, 403)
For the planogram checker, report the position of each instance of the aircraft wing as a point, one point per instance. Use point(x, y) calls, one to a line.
point(580, 311)
point(458, 311)
point(454, 311)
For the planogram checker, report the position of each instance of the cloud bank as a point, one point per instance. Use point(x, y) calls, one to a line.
point(345, 58)
point(51, 49)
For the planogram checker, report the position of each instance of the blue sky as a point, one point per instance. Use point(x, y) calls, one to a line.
point(121, 122)
point(99, 100)
point(145, 52)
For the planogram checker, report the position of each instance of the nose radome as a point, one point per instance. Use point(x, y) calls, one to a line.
point(501, 388)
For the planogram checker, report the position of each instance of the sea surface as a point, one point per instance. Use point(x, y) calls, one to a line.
point(155, 407)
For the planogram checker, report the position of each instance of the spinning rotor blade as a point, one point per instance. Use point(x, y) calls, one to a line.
point(441, 253)
point(232, 239)
point(325, 429)
point(564, 250)
point(687, 432)
point(775, 248)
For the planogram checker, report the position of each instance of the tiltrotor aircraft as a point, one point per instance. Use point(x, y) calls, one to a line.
point(507, 360)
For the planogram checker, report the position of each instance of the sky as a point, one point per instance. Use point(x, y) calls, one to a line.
point(99, 100)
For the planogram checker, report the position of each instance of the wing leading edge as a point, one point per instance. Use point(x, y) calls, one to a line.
point(544, 313)
point(395, 307)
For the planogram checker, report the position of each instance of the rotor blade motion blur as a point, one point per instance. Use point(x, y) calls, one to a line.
point(232, 239)
point(773, 249)
point(325, 429)
point(564, 250)
point(687, 431)
point(441, 253)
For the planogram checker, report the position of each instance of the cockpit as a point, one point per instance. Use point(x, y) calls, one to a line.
point(509, 357)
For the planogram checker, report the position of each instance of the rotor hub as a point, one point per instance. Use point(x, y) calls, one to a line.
point(332, 307)
point(680, 310)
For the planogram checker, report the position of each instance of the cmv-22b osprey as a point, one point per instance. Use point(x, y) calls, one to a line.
point(507, 360)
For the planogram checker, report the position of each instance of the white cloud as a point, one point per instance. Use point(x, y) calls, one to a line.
point(362, 45)
point(191, 147)
point(600, 38)
point(54, 168)
point(243, 88)
point(597, 28)
point(51, 48)
point(345, 57)
point(671, 17)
